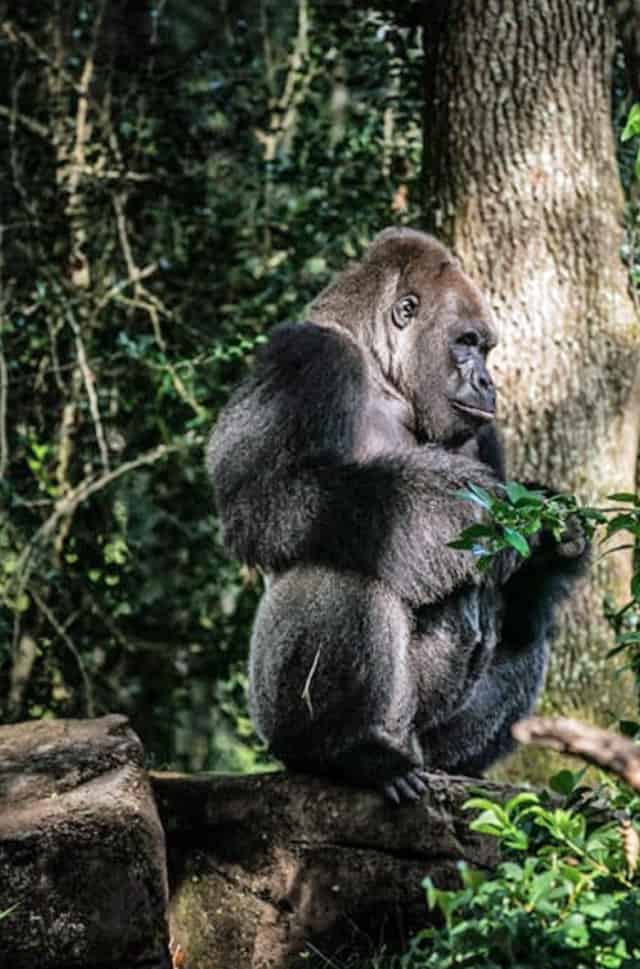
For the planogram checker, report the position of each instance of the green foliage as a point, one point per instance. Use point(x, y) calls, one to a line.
point(632, 130)
point(520, 516)
point(232, 161)
point(562, 897)
point(514, 518)
point(565, 894)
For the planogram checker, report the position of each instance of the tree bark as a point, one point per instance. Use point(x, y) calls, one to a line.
point(521, 179)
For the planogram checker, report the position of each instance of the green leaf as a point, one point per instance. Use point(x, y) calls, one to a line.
point(476, 494)
point(563, 782)
point(517, 839)
point(635, 586)
point(488, 822)
point(511, 871)
point(571, 874)
point(481, 804)
point(625, 496)
point(316, 265)
point(632, 126)
point(471, 877)
point(22, 603)
point(621, 523)
point(525, 797)
point(465, 544)
point(519, 495)
point(517, 541)
point(478, 531)
point(625, 638)
point(431, 892)
point(600, 906)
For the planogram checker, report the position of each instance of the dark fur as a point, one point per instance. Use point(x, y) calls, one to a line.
point(377, 650)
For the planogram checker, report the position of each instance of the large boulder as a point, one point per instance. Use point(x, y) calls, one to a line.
point(269, 871)
point(275, 870)
point(82, 855)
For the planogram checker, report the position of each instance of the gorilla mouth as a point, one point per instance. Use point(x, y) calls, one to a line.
point(478, 412)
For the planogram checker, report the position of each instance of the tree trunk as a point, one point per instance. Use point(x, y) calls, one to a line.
point(521, 179)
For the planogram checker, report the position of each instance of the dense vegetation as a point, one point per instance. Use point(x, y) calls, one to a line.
point(222, 165)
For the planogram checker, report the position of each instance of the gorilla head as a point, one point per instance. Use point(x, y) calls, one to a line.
point(426, 326)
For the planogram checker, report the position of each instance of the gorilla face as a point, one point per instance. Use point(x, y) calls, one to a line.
point(445, 335)
point(470, 389)
point(427, 327)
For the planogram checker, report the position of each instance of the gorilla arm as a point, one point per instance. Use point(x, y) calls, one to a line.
point(295, 480)
point(481, 732)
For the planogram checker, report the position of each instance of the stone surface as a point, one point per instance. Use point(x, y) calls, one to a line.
point(82, 863)
point(275, 870)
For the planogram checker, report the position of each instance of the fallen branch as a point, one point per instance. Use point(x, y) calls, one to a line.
point(603, 748)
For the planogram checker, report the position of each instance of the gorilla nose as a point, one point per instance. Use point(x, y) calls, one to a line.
point(482, 382)
point(483, 386)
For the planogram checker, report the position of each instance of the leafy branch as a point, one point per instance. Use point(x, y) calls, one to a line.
point(521, 513)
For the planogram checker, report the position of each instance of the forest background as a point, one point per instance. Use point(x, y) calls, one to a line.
point(179, 178)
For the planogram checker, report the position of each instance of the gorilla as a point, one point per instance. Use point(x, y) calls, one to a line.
point(379, 652)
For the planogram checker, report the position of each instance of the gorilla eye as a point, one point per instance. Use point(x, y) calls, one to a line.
point(404, 310)
point(469, 339)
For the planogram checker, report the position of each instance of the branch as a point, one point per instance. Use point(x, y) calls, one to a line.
point(124, 283)
point(80, 273)
point(145, 300)
point(603, 748)
point(284, 110)
point(29, 123)
point(89, 707)
point(68, 504)
point(15, 36)
point(90, 387)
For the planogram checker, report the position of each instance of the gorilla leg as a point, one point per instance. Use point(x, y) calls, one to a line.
point(480, 732)
point(331, 685)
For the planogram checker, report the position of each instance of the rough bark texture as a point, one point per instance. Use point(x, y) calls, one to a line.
point(521, 179)
point(82, 859)
point(282, 871)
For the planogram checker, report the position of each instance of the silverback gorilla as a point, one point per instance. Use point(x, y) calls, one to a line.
point(379, 652)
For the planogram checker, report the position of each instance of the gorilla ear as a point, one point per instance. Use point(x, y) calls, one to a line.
point(404, 310)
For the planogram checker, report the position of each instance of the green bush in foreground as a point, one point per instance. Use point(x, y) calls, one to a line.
point(563, 897)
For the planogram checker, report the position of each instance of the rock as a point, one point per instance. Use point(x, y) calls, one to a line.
point(82, 859)
point(273, 870)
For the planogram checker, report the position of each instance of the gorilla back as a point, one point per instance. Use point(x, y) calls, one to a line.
point(377, 650)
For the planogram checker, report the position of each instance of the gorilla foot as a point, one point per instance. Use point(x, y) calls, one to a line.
point(406, 787)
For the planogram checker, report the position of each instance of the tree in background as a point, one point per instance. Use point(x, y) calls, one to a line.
point(522, 180)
